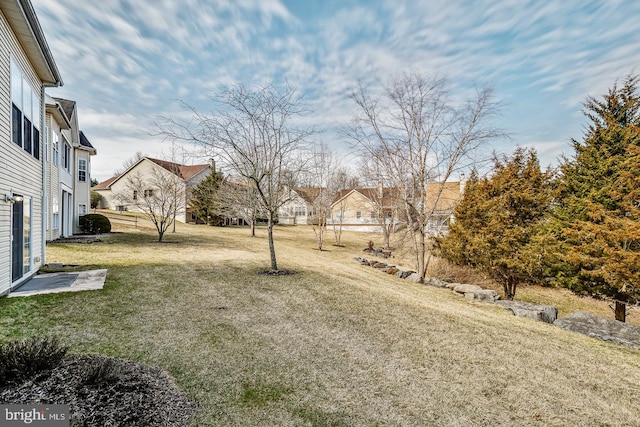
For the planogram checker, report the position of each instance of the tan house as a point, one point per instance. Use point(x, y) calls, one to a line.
point(369, 209)
point(117, 192)
point(27, 68)
point(365, 209)
point(301, 208)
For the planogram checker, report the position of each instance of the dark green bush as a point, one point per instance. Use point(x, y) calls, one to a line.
point(95, 224)
point(21, 360)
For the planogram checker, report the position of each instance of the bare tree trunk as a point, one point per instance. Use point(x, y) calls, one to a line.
point(174, 222)
point(252, 227)
point(422, 268)
point(272, 248)
point(621, 311)
point(509, 287)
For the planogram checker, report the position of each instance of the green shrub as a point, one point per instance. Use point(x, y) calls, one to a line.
point(95, 224)
point(21, 360)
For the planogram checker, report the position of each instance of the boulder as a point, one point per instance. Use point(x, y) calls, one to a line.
point(451, 285)
point(486, 295)
point(465, 288)
point(379, 265)
point(436, 282)
point(361, 260)
point(404, 274)
point(390, 270)
point(414, 277)
point(543, 313)
point(599, 327)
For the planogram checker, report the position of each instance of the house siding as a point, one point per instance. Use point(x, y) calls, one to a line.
point(20, 172)
point(146, 167)
point(53, 179)
point(81, 191)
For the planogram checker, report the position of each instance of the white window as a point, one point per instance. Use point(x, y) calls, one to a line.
point(82, 209)
point(46, 143)
point(25, 113)
point(55, 213)
point(82, 170)
point(66, 156)
point(358, 214)
point(56, 148)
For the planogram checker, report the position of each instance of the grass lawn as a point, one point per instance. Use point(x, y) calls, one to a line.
point(336, 344)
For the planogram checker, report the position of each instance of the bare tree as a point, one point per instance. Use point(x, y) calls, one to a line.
point(158, 195)
point(340, 181)
point(253, 136)
point(417, 134)
point(385, 197)
point(322, 171)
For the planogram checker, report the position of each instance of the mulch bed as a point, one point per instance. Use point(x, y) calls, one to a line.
point(103, 391)
point(277, 272)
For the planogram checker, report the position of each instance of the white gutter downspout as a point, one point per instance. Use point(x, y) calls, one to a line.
point(45, 199)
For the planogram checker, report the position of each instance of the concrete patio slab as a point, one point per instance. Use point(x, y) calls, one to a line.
point(51, 283)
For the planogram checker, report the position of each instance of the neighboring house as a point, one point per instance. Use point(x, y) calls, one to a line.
point(82, 178)
point(26, 69)
point(446, 202)
point(365, 209)
point(300, 209)
point(68, 158)
point(146, 167)
point(369, 209)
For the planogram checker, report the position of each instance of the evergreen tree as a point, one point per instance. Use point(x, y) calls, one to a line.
point(206, 201)
point(596, 219)
point(497, 219)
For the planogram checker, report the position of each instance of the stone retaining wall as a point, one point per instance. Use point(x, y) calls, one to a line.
point(588, 324)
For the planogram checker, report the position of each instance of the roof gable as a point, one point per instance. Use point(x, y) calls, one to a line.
point(185, 172)
point(67, 105)
point(84, 143)
point(308, 194)
point(104, 185)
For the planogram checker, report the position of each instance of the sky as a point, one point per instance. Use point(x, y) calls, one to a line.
point(127, 63)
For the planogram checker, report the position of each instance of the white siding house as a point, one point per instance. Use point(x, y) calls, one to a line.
point(147, 168)
point(300, 209)
point(68, 164)
point(26, 69)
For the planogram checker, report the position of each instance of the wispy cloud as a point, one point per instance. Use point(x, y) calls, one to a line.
point(124, 62)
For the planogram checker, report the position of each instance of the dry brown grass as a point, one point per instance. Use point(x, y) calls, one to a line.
point(336, 344)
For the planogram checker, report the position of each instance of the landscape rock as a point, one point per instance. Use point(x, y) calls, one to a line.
point(361, 260)
point(451, 285)
point(379, 265)
point(543, 313)
point(414, 277)
point(602, 328)
point(404, 274)
point(466, 288)
point(486, 295)
point(391, 270)
point(433, 281)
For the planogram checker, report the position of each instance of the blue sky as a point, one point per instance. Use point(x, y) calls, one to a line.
point(128, 62)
